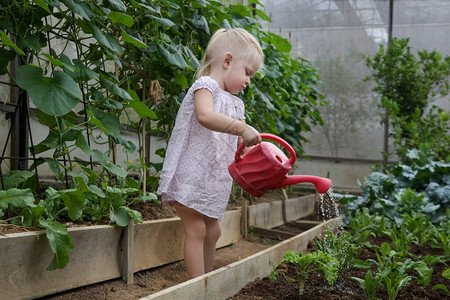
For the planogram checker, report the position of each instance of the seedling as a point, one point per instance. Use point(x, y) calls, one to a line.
point(307, 263)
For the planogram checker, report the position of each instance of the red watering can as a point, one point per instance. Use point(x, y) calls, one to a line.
point(265, 167)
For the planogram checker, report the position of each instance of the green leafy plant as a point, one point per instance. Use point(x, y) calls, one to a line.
point(363, 224)
point(445, 274)
point(400, 240)
point(17, 179)
point(369, 284)
point(60, 243)
point(395, 281)
point(421, 227)
point(393, 270)
point(148, 42)
point(124, 51)
point(306, 263)
point(422, 186)
point(340, 247)
point(442, 242)
point(393, 275)
point(15, 199)
point(407, 84)
point(69, 204)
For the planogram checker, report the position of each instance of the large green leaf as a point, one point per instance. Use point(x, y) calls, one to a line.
point(60, 243)
point(7, 42)
point(82, 144)
point(54, 167)
point(151, 7)
point(171, 4)
point(81, 72)
point(131, 39)
point(16, 178)
point(424, 272)
point(120, 216)
point(199, 3)
point(16, 198)
point(92, 175)
point(64, 62)
point(43, 5)
point(31, 215)
point(199, 23)
point(172, 55)
point(181, 79)
point(80, 8)
point(109, 42)
point(108, 122)
point(262, 15)
point(96, 190)
point(193, 61)
point(162, 21)
point(110, 86)
point(28, 40)
point(117, 17)
point(55, 95)
point(107, 163)
point(136, 215)
point(74, 201)
point(83, 181)
point(446, 273)
point(279, 42)
point(5, 57)
point(118, 5)
point(140, 108)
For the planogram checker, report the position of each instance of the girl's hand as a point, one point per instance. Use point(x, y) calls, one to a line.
point(251, 136)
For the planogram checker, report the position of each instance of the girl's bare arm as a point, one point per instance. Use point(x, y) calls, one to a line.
point(216, 121)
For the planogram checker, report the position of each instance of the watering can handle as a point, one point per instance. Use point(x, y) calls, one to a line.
point(274, 138)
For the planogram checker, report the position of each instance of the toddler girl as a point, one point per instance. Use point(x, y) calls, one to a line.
point(195, 178)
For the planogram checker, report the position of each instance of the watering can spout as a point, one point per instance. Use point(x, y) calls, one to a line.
point(322, 184)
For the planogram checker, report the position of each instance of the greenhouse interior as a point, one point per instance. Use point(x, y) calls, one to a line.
point(124, 174)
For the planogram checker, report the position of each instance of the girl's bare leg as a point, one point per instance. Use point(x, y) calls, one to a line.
point(213, 231)
point(195, 232)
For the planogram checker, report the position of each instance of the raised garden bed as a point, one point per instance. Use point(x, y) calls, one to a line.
point(345, 288)
point(105, 252)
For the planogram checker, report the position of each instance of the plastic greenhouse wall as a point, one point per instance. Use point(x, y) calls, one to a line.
point(334, 35)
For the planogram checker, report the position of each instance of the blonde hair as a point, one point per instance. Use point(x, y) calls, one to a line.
point(237, 41)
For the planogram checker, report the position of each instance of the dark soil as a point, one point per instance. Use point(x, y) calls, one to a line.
point(345, 288)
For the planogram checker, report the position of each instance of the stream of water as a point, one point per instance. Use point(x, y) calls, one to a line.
point(329, 207)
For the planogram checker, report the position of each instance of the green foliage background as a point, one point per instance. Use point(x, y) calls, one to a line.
point(88, 66)
point(121, 47)
point(408, 84)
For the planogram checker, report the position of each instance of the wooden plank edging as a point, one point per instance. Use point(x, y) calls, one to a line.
point(101, 253)
point(25, 257)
